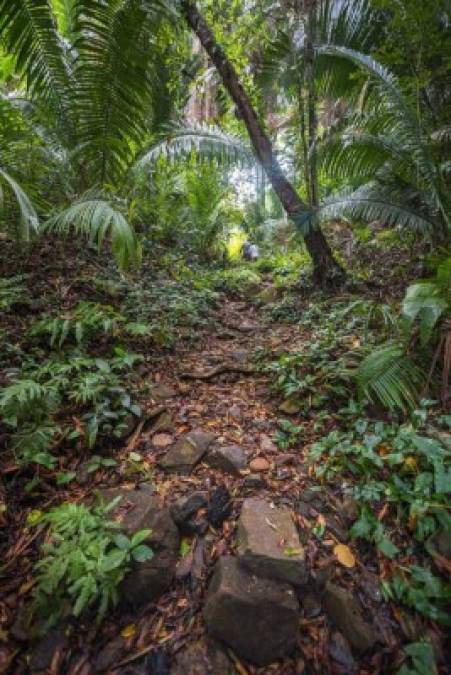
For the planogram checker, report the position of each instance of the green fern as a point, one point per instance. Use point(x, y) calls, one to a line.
point(81, 324)
point(390, 376)
point(84, 560)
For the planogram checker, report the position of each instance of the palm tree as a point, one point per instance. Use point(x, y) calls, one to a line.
point(326, 270)
point(393, 153)
point(95, 89)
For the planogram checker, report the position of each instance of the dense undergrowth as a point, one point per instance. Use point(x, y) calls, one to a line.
point(74, 369)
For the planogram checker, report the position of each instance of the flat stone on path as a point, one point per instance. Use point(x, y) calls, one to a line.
point(269, 543)
point(229, 458)
point(183, 456)
point(257, 618)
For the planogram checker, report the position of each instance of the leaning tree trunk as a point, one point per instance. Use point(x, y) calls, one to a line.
point(325, 267)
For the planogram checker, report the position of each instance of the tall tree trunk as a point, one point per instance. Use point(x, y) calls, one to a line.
point(312, 102)
point(325, 268)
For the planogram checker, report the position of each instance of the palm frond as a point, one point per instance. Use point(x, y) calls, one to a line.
point(370, 204)
point(28, 217)
point(426, 302)
point(98, 219)
point(405, 122)
point(207, 141)
point(29, 33)
point(389, 376)
point(117, 79)
point(359, 154)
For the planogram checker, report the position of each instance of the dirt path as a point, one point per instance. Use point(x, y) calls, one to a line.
point(239, 409)
point(233, 401)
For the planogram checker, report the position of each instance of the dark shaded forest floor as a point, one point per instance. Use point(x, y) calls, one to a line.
point(213, 384)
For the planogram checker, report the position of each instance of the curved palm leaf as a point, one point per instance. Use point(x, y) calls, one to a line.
point(405, 123)
point(97, 219)
point(29, 220)
point(369, 203)
point(28, 217)
point(208, 141)
point(425, 301)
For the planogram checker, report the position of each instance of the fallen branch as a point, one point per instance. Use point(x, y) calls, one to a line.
point(219, 370)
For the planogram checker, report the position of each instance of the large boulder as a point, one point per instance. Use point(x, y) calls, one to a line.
point(347, 614)
point(141, 510)
point(269, 544)
point(187, 452)
point(257, 618)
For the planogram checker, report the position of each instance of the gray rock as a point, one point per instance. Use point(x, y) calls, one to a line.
point(230, 458)
point(257, 618)
point(185, 509)
point(148, 580)
point(202, 658)
point(187, 452)
point(269, 543)
point(346, 613)
point(255, 481)
point(163, 422)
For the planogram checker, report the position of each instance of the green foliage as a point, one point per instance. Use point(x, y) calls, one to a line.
point(429, 301)
point(419, 589)
point(394, 374)
point(389, 143)
point(391, 376)
point(13, 292)
point(97, 218)
point(241, 280)
point(201, 141)
point(422, 656)
point(81, 324)
point(85, 559)
point(322, 373)
point(391, 464)
point(288, 434)
point(91, 387)
point(28, 217)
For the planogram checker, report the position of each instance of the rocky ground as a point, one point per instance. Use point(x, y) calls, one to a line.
point(239, 582)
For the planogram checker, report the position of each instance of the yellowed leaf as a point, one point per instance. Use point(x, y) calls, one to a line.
point(129, 631)
point(344, 555)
